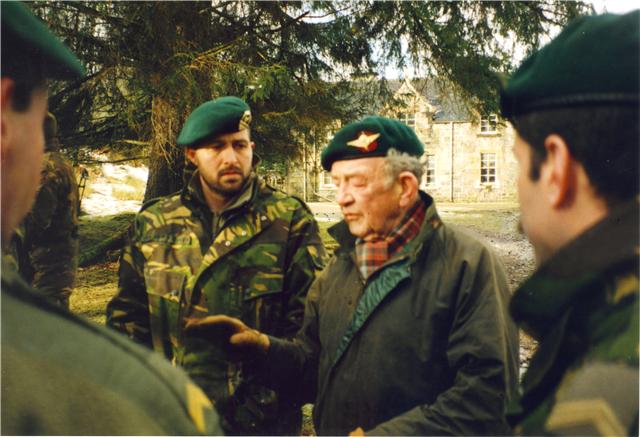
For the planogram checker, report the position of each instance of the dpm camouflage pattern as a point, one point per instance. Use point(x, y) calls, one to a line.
point(256, 267)
point(46, 243)
point(582, 306)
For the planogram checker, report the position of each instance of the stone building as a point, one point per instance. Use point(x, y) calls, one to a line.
point(467, 158)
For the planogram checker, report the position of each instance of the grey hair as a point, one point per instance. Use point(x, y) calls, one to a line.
point(396, 162)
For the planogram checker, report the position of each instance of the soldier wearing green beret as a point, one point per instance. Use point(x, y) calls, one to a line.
point(62, 375)
point(227, 244)
point(406, 332)
point(47, 246)
point(574, 105)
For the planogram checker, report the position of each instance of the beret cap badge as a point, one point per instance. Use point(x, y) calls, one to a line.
point(245, 120)
point(366, 141)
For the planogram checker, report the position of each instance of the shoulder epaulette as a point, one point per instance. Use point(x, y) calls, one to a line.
point(150, 202)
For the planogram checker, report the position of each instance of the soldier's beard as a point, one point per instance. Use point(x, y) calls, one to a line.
point(228, 189)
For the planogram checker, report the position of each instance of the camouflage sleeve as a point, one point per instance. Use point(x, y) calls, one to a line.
point(44, 206)
point(128, 310)
point(52, 246)
point(306, 257)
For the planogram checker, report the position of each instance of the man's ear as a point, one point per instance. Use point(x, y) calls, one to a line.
point(409, 188)
point(191, 155)
point(7, 86)
point(557, 172)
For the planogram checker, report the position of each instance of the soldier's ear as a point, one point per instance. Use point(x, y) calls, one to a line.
point(557, 172)
point(191, 155)
point(7, 86)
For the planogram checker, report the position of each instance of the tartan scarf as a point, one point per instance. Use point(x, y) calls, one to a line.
point(371, 255)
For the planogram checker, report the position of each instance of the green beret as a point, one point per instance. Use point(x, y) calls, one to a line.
point(215, 117)
point(372, 136)
point(23, 33)
point(594, 60)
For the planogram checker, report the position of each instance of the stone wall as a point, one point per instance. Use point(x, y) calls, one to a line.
point(457, 149)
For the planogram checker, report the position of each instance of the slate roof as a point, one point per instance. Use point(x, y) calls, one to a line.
point(450, 106)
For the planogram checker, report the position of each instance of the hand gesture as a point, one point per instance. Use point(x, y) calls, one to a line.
point(239, 335)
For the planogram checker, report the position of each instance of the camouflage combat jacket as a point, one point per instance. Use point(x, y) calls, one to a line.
point(46, 245)
point(254, 261)
point(582, 305)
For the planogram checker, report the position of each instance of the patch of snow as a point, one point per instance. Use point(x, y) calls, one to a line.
point(100, 201)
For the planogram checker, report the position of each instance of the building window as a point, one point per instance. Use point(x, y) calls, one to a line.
point(408, 118)
point(430, 170)
point(487, 168)
point(326, 178)
point(489, 124)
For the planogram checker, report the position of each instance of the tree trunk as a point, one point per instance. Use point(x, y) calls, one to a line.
point(166, 160)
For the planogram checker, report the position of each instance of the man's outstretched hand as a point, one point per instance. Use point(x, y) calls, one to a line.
point(239, 335)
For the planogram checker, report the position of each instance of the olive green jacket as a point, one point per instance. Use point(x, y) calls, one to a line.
point(62, 375)
point(254, 261)
point(424, 346)
point(582, 306)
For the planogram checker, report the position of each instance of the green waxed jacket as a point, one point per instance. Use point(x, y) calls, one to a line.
point(424, 346)
point(254, 261)
point(582, 306)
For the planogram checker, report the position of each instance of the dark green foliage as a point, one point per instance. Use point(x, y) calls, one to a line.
point(300, 65)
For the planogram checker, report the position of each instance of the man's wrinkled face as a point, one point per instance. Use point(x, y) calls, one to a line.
point(22, 152)
point(224, 163)
point(533, 208)
point(368, 200)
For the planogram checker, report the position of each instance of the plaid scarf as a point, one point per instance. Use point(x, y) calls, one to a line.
point(371, 255)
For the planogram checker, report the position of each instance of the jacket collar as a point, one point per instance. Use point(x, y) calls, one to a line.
point(540, 302)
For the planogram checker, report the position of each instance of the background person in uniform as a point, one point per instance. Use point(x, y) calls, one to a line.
point(574, 105)
point(62, 375)
point(47, 244)
point(227, 244)
point(406, 332)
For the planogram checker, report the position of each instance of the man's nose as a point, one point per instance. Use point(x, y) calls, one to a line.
point(229, 155)
point(343, 197)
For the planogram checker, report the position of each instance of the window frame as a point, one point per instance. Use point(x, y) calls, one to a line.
point(488, 168)
point(324, 176)
point(489, 124)
point(429, 158)
point(407, 116)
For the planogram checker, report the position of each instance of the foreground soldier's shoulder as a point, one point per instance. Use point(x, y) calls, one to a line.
point(596, 398)
point(98, 357)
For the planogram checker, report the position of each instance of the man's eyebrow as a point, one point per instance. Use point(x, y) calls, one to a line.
point(352, 173)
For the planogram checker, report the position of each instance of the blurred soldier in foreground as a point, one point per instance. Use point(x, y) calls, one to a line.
point(228, 244)
point(574, 105)
point(406, 332)
point(47, 244)
point(61, 374)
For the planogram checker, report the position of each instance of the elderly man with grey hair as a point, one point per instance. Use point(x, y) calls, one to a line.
point(406, 331)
